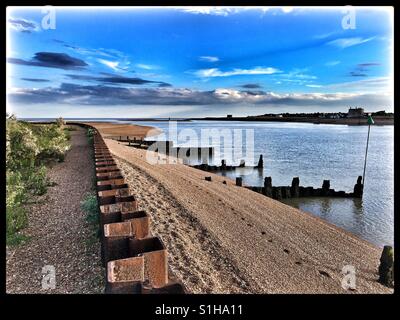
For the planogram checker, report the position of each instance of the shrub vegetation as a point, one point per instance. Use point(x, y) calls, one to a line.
point(28, 148)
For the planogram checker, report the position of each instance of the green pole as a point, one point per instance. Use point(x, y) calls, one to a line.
point(370, 121)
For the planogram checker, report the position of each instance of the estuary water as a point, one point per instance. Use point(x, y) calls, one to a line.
point(314, 152)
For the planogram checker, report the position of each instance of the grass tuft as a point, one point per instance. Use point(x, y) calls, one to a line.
point(90, 206)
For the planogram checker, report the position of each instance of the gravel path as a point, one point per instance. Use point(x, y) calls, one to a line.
point(223, 238)
point(59, 234)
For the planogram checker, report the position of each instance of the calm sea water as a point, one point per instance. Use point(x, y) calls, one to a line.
point(317, 152)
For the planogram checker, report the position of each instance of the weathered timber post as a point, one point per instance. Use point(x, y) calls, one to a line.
point(260, 163)
point(358, 188)
point(294, 189)
point(120, 138)
point(285, 192)
point(386, 267)
point(239, 181)
point(326, 184)
point(242, 164)
point(268, 186)
point(223, 164)
point(277, 193)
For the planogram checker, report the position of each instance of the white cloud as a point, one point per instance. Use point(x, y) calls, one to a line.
point(22, 25)
point(215, 72)
point(209, 58)
point(115, 65)
point(349, 42)
point(300, 74)
point(217, 11)
point(313, 85)
point(146, 66)
point(378, 84)
point(225, 11)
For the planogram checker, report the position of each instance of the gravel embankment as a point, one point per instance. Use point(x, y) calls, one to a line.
point(59, 234)
point(222, 238)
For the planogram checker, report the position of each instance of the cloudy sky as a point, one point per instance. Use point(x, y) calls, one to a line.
point(197, 61)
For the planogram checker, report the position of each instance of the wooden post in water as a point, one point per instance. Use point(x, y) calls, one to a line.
point(295, 192)
point(370, 121)
point(239, 181)
point(223, 164)
point(326, 184)
point(268, 186)
point(260, 163)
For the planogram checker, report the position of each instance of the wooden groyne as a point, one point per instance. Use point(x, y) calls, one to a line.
point(297, 191)
point(167, 147)
point(225, 167)
point(134, 260)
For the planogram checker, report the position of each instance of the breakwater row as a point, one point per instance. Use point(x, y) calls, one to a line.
point(134, 260)
point(297, 191)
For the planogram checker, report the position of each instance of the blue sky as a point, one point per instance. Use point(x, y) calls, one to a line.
point(197, 61)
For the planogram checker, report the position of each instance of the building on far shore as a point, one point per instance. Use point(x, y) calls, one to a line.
point(229, 116)
point(356, 113)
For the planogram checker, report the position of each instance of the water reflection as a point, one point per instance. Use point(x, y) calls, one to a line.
point(317, 152)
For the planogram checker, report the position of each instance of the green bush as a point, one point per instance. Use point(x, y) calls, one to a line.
point(16, 219)
point(36, 181)
point(60, 122)
point(52, 142)
point(90, 134)
point(27, 148)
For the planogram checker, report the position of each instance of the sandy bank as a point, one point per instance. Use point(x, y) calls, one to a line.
point(224, 238)
point(108, 129)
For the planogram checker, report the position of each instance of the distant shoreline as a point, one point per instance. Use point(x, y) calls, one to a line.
point(349, 121)
point(343, 121)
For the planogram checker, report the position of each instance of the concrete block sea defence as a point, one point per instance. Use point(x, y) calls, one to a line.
point(116, 236)
point(105, 163)
point(110, 213)
point(107, 169)
point(110, 184)
point(108, 175)
point(155, 259)
point(114, 196)
point(123, 274)
point(116, 241)
point(140, 221)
